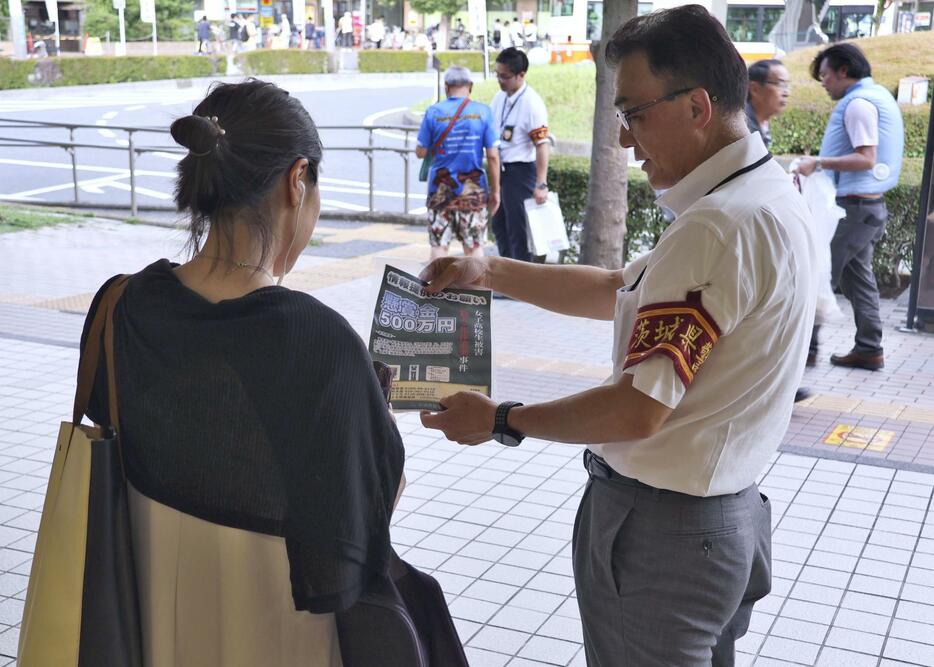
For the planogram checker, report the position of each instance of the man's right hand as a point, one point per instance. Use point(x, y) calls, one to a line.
point(458, 272)
point(493, 203)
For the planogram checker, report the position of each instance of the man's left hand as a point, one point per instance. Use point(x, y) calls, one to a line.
point(541, 195)
point(467, 418)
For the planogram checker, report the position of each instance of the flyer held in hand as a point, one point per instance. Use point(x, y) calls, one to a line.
point(435, 344)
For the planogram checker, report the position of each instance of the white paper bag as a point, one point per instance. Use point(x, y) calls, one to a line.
point(547, 234)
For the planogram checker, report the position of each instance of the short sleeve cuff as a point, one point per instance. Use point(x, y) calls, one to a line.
point(657, 379)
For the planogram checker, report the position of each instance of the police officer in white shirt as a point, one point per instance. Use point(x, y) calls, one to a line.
point(521, 120)
point(672, 540)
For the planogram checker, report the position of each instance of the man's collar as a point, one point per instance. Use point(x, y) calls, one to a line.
point(712, 171)
point(865, 81)
point(521, 88)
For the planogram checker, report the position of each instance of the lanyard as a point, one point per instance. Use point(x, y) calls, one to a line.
point(502, 123)
point(749, 167)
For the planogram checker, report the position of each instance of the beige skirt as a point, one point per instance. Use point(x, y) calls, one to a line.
point(217, 596)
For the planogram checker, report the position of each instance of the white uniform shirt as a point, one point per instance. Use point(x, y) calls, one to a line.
point(729, 364)
point(521, 123)
point(861, 120)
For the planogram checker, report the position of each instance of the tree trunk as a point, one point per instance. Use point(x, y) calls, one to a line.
point(605, 215)
point(441, 40)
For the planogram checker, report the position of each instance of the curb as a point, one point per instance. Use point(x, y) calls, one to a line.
point(46, 92)
point(123, 215)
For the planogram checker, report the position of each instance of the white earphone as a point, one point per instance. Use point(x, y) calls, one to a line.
point(301, 202)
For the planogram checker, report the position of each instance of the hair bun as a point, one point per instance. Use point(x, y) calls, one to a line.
point(199, 134)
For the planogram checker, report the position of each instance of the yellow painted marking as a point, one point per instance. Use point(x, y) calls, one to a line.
point(860, 437)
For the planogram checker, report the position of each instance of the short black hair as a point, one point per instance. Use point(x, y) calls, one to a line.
point(689, 47)
point(842, 55)
point(759, 70)
point(514, 59)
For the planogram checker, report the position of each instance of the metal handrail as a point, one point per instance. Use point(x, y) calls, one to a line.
point(71, 146)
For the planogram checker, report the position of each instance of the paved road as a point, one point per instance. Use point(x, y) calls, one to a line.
point(44, 174)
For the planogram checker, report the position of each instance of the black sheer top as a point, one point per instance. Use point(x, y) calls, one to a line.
point(261, 413)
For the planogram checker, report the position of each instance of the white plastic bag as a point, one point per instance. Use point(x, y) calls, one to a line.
point(820, 194)
point(547, 233)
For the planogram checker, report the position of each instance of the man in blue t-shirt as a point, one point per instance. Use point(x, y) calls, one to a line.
point(457, 131)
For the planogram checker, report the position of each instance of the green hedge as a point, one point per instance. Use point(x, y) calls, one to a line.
point(798, 131)
point(472, 60)
point(283, 61)
point(105, 69)
point(645, 222)
point(387, 60)
point(15, 73)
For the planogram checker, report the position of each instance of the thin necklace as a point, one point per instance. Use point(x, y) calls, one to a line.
point(237, 265)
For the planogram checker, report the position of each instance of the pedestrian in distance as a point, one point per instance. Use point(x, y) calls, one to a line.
point(458, 132)
point(671, 546)
point(769, 87)
point(496, 34)
point(311, 34)
point(378, 32)
point(862, 149)
point(505, 38)
point(251, 32)
point(521, 121)
point(530, 34)
point(234, 43)
point(516, 34)
point(204, 35)
point(345, 30)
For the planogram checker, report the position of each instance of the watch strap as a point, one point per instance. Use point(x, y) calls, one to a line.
point(501, 426)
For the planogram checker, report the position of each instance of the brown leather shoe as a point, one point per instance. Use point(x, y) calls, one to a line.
point(812, 360)
point(854, 359)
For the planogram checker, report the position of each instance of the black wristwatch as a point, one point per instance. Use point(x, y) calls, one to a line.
point(501, 431)
point(541, 186)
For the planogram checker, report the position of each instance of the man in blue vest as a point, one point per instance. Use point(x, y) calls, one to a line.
point(862, 149)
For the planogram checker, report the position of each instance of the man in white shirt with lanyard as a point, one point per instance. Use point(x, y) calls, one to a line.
point(520, 118)
point(672, 543)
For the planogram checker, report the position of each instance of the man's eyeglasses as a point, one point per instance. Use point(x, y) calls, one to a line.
point(505, 77)
point(625, 116)
point(781, 85)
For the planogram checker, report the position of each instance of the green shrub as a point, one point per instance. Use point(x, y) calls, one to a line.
point(645, 221)
point(893, 253)
point(801, 130)
point(15, 73)
point(386, 60)
point(472, 60)
point(105, 69)
point(283, 61)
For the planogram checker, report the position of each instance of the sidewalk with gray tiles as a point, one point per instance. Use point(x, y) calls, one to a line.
point(853, 540)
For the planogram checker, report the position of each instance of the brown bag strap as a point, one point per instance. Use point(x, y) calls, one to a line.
point(112, 367)
point(87, 370)
point(447, 130)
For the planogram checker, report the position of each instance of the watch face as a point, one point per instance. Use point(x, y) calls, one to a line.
point(508, 440)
